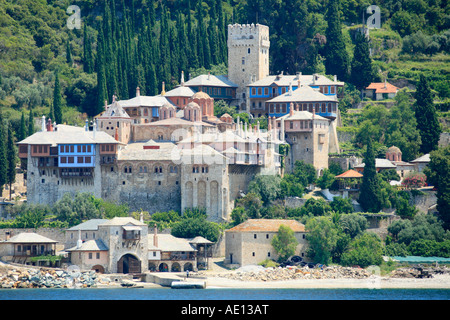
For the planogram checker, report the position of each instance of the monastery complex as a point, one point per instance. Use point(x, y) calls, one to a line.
point(170, 152)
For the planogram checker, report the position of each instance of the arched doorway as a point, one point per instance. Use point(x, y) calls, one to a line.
point(98, 268)
point(188, 266)
point(129, 264)
point(163, 267)
point(175, 267)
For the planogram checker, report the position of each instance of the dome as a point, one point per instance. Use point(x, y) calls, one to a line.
point(201, 95)
point(394, 149)
point(168, 105)
point(193, 105)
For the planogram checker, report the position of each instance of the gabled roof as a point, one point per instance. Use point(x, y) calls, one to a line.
point(285, 80)
point(180, 91)
point(267, 225)
point(382, 87)
point(210, 80)
point(302, 115)
point(122, 221)
point(91, 245)
point(115, 110)
point(65, 134)
point(30, 237)
point(89, 225)
point(379, 163)
point(424, 158)
point(168, 243)
point(303, 94)
point(144, 101)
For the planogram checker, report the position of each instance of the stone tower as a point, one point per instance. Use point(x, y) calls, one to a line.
point(248, 57)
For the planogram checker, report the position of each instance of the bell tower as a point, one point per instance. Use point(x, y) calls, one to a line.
point(248, 58)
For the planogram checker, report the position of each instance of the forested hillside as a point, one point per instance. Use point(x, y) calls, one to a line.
point(122, 44)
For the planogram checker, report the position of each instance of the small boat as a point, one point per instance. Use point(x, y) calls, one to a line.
point(188, 285)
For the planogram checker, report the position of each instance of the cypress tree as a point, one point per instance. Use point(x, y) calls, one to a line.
point(427, 120)
point(368, 193)
point(102, 93)
point(30, 123)
point(69, 58)
point(88, 59)
point(57, 101)
point(11, 159)
point(336, 56)
point(22, 129)
point(361, 72)
point(3, 158)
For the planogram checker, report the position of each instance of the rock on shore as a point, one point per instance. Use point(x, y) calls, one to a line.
point(47, 278)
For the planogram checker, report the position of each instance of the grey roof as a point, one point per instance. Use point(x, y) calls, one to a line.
point(68, 135)
point(89, 225)
point(301, 115)
point(145, 101)
point(115, 110)
point(91, 245)
point(180, 91)
point(167, 243)
point(285, 80)
point(122, 221)
point(210, 80)
point(424, 158)
point(30, 237)
point(379, 163)
point(200, 240)
point(303, 94)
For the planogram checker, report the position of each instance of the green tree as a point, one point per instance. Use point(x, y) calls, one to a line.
point(22, 130)
point(368, 193)
point(326, 180)
point(322, 238)
point(57, 100)
point(361, 68)
point(3, 153)
point(252, 204)
point(337, 61)
point(284, 243)
point(353, 224)
point(193, 227)
point(365, 250)
point(341, 205)
point(11, 155)
point(267, 186)
point(30, 123)
point(438, 175)
point(427, 120)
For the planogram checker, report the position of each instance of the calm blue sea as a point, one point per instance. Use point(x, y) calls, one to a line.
point(223, 294)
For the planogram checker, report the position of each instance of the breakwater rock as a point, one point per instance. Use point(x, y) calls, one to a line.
point(47, 278)
point(296, 273)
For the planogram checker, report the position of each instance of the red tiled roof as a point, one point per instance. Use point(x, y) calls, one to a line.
point(381, 87)
point(267, 225)
point(350, 174)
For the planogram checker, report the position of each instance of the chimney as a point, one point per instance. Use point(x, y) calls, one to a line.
point(79, 241)
point(163, 91)
point(141, 217)
point(182, 78)
point(86, 126)
point(335, 78)
point(114, 98)
point(138, 92)
point(43, 124)
point(291, 109)
point(94, 128)
point(155, 236)
point(106, 105)
point(49, 125)
point(209, 75)
point(116, 134)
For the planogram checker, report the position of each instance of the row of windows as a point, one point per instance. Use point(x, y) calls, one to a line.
point(318, 107)
point(71, 148)
point(196, 169)
point(156, 169)
point(78, 159)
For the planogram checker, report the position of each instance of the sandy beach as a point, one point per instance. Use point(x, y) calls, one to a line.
point(437, 282)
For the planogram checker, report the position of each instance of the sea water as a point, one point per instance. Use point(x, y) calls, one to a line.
point(223, 294)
